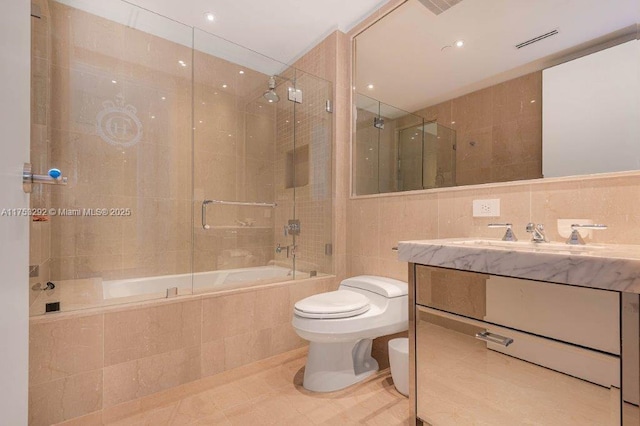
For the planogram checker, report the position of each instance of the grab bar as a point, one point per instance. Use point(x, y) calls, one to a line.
point(240, 203)
point(229, 203)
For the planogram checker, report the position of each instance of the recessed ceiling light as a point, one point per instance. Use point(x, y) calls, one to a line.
point(163, 98)
point(224, 86)
point(209, 16)
point(182, 63)
point(240, 72)
point(533, 101)
point(113, 81)
point(370, 86)
point(459, 43)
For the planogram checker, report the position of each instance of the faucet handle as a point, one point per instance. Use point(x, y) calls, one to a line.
point(575, 238)
point(508, 235)
point(537, 232)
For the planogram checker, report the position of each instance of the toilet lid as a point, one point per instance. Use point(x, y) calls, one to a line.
point(333, 304)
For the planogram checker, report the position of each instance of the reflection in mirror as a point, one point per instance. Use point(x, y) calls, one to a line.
point(499, 92)
point(399, 151)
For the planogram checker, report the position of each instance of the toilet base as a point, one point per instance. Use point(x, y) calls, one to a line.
point(334, 366)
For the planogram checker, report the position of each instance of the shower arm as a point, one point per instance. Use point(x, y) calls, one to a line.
point(229, 203)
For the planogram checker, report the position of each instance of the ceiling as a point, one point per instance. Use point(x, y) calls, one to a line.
point(402, 55)
point(280, 29)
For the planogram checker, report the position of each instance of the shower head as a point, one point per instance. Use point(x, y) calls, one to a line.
point(270, 95)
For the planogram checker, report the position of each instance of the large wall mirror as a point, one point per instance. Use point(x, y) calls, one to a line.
point(452, 93)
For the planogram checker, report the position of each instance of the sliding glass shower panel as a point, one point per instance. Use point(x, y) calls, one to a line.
point(113, 112)
point(238, 220)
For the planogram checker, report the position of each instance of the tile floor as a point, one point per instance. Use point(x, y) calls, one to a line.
point(267, 392)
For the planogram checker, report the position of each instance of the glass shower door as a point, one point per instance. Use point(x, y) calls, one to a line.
point(309, 175)
point(112, 109)
point(241, 120)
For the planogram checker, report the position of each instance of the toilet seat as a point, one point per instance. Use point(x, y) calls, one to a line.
point(333, 304)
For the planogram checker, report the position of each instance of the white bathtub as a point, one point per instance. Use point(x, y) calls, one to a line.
point(203, 282)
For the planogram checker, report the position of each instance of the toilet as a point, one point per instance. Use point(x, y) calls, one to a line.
point(341, 325)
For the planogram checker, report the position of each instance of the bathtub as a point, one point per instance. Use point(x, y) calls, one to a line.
point(203, 282)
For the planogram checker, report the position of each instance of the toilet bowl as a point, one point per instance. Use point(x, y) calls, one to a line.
point(341, 325)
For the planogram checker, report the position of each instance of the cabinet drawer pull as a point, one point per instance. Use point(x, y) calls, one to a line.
point(494, 338)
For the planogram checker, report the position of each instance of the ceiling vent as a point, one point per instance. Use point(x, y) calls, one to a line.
point(536, 39)
point(439, 6)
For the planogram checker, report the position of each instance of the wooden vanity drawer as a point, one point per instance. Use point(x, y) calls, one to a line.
point(461, 379)
point(582, 316)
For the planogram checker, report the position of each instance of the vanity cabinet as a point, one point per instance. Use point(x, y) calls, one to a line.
point(495, 350)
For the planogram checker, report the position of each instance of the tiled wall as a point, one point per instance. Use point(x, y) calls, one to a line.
point(498, 131)
point(375, 224)
point(101, 363)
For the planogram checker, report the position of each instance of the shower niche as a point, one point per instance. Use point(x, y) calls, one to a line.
point(297, 172)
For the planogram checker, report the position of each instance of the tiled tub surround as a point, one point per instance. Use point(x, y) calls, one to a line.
point(375, 224)
point(83, 362)
point(90, 293)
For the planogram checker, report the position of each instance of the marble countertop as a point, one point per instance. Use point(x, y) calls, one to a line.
point(609, 267)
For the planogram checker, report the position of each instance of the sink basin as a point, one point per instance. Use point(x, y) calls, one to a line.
point(553, 247)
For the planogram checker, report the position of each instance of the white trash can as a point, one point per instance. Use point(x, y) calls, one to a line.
point(399, 362)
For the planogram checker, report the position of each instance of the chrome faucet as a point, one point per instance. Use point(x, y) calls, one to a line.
point(508, 235)
point(291, 249)
point(575, 238)
point(537, 233)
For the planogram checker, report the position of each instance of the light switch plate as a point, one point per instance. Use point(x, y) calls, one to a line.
point(486, 208)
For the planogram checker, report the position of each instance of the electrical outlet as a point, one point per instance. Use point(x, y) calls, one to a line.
point(486, 208)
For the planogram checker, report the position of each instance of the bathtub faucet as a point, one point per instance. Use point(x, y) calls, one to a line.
point(291, 250)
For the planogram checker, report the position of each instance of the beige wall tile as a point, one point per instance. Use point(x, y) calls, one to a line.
point(227, 316)
point(65, 398)
point(284, 338)
point(403, 218)
point(134, 379)
point(213, 357)
point(512, 100)
point(92, 419)
point(64, 348)
point(241, 349)
point(271, 307)
point(363, 227)
point(135, 334)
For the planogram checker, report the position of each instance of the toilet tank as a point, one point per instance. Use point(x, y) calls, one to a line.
point(383, 286)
